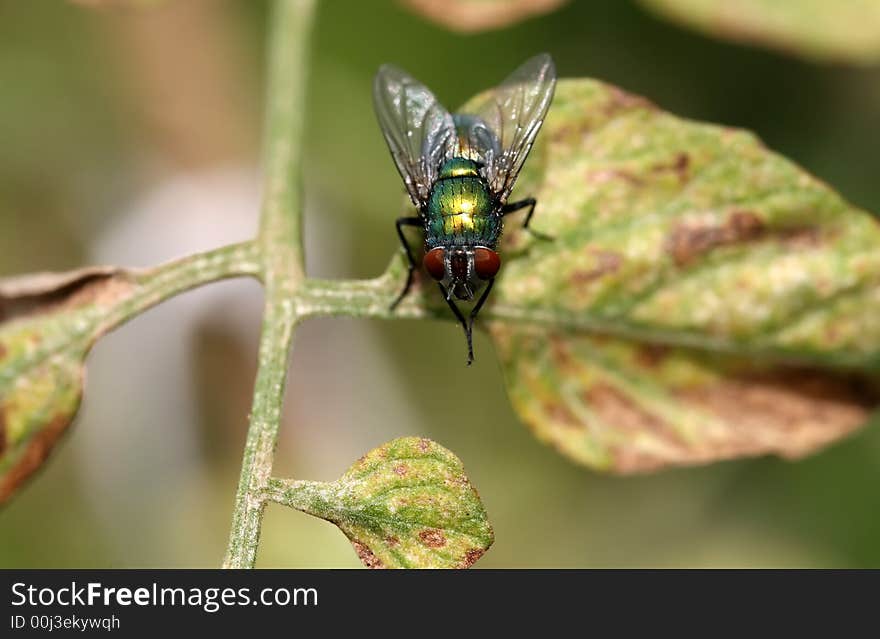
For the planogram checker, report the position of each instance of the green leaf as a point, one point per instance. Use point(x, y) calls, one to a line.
point(481, 15)
point(817, 29)
point(48, 323)
point(406, 504)
point(704, 298)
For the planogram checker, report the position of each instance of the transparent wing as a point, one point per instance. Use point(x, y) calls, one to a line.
point(420, 133)
point(500, 130)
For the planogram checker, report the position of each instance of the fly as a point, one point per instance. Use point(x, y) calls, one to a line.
point(459, 170)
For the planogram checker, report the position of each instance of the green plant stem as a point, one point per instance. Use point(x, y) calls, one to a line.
point(167, 280)
point(281, 242)
point(299, 494)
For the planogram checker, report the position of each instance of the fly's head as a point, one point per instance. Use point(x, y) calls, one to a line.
point(462, 270)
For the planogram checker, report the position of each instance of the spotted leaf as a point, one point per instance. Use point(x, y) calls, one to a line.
point(406, 504)
point(48, 323)
point(704, 298)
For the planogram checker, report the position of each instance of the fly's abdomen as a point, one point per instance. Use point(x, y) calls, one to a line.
point(460, 213)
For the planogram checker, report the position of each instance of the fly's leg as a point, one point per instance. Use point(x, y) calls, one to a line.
point(399, 224)
point(516, 206)
point(464, 323)
point(512, 207)
point(473, 316)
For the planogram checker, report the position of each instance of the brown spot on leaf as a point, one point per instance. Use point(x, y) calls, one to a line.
point(680, 165)
point(744, 225)
point(36, 451)
point(392, 541)
point(400, 469)
point(687, 242)
point(471, 557)
point(622, 413)
point(619, 410)
point(561, 415)
point(790, 412)
point(366, 555)
point(651, 355)
point(606, 262)
point(424, 445)
point(562, 358)
point(433, 538)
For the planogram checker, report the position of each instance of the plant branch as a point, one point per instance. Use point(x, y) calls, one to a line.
point(281, 243)
point(167, 280)
point(299, 494)
point(138, 290)
point(281, 217)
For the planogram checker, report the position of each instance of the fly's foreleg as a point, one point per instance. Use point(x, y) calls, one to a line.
point(461, 320)
point(516, 206)
point(469, 330)
point(399, 224)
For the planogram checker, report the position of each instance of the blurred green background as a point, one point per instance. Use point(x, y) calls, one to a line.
point(132, 136)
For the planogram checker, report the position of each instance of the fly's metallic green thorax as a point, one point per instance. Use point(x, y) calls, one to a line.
point(460, 210)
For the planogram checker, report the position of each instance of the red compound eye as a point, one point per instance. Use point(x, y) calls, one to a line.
point(486, 263)
point(434, 263)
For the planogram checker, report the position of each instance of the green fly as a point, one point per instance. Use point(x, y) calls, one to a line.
point(459, 171)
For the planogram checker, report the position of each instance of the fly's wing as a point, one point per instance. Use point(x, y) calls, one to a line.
point(420, 133)
point(500, 130)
